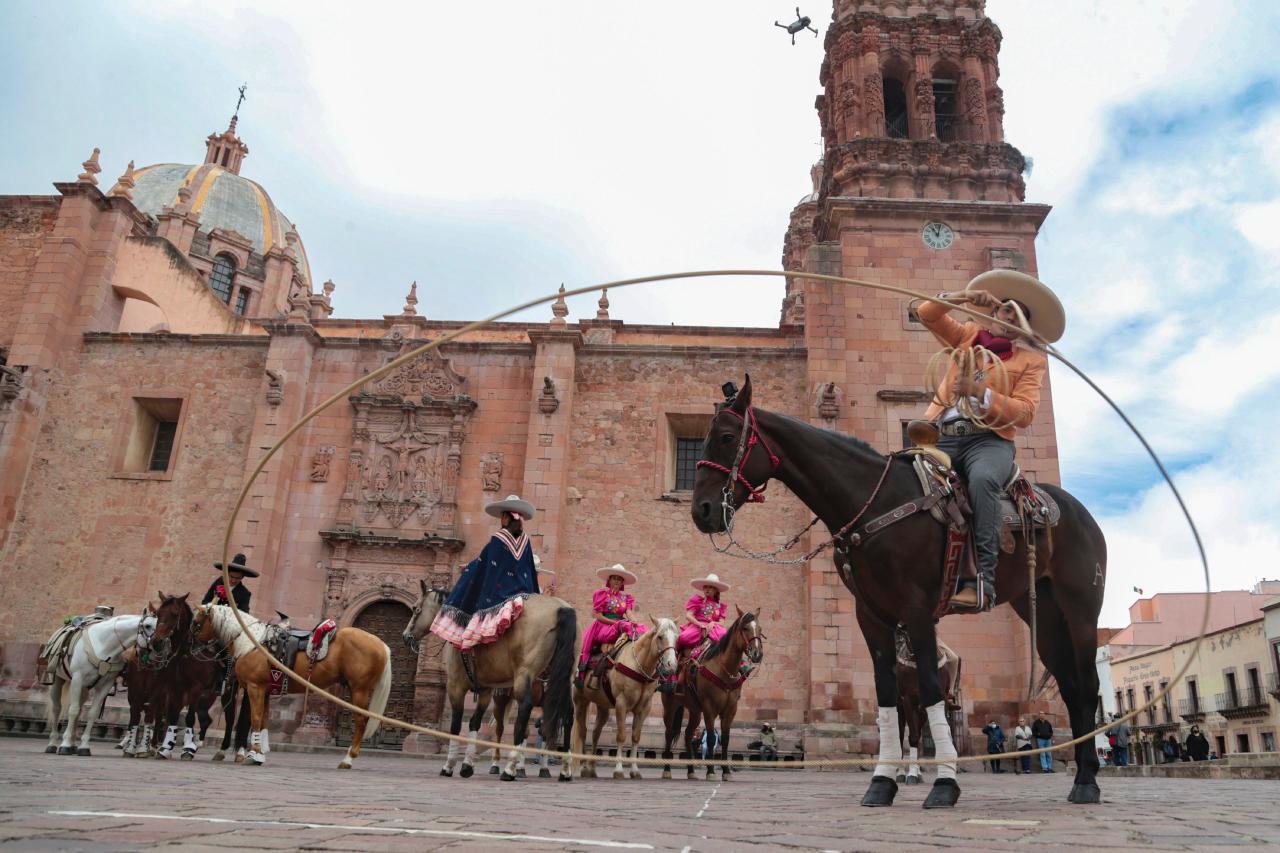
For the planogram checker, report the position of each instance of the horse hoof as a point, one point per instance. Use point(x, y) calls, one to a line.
point(160, 756)
point(50, 750)
point(507, 777)
point(219, 756)
point(1085, 794)
point(445, 771)
point(666, 774)
point(520, 773)
point(239, 759)
point(914, 780)
point(564, 778)
point(944, 794)
point(618, 774)
point(881, 792)
point(692, 777)
point(709, 775)
point(636, 775)
point(344, 765)
point(466, 771)
point(900, 778)
point(187, 756)
point(724, 776)
point(66, 750)
point(83, 751)
point(493, 770)
point(544, 773)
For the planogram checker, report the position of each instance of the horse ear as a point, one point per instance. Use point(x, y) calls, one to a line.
point(743, 401)
point(739, 609)
point(184, 598)
point(422, 582)
point(161, 594)
point(653, 620)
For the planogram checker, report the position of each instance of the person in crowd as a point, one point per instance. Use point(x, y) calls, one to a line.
point(768, 743)
point(1042, 731)
point(1120, 749)
point(995, 743)
point(1022, 743)
point(1197, 745)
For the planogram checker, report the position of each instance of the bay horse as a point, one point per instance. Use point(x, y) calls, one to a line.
point(713, 684)
point(356, 659)
point(896, 576)
point(627, 687)
point(542, 640)
point(90, 662)
point(912, 717)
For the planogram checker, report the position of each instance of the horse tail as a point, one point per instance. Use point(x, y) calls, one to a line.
point(381, 690)
point(557, 700)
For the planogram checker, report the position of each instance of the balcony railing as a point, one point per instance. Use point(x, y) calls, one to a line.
point(1192, 709)
point(1241, 702)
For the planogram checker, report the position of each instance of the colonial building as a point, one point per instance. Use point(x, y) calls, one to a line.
point(158, 336)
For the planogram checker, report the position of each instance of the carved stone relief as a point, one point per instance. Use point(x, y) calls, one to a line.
point(491, 472)
point(320, 463)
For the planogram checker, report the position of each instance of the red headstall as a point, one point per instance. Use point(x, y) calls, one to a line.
point(754, 494)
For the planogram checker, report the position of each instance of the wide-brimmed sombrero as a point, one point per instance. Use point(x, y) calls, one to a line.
point(1048, 319)
point(616, 569)
point(710, 580)
point(512, 503)
point(237, 564)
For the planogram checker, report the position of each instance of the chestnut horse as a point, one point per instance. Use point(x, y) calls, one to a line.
point(712, 686)
point(356, 658)
point(895, 575)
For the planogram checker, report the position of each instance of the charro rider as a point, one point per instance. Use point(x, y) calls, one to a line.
point(491, 592)
point(982, 451)
point(238, 571)
point(612, 605)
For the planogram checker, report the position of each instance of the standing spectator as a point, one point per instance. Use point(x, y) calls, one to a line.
point(995, 743)
point(1042, 731)
point(1022, 743)
point(1121, 749)
point(1197, 745)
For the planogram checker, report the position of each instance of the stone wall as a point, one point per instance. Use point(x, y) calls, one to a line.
point(24, 222)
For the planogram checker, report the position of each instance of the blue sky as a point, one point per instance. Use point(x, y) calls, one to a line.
point(493, 150)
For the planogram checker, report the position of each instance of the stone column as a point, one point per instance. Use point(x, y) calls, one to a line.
point(547, 450)
point(872, 85)
point(973, 99)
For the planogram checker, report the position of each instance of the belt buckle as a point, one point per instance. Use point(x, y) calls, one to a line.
point(963, 428)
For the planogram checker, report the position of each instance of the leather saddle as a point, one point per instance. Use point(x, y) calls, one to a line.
point(284, 641)
point(602, 660)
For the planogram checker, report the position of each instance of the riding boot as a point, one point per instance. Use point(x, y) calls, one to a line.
point(967, 596)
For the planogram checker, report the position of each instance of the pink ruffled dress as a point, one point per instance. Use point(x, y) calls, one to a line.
point(609, 624)
point(706, 611)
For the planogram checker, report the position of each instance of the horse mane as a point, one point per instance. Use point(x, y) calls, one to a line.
point(717, 648)
point(847, 443)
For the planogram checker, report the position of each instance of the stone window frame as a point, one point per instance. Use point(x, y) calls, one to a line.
point(127, 424)
point(691, 422)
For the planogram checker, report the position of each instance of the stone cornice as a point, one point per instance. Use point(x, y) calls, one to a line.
point(176, 338)
point(426, 542)
point(285, 327)
point(556, 336)
point(625, 350)
point(931, 207)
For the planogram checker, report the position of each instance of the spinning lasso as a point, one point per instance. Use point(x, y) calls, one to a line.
point(653, 762)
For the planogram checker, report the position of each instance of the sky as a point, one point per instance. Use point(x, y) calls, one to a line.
point(491, 151)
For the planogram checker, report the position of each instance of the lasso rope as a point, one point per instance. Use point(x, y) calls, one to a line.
point(654, 762)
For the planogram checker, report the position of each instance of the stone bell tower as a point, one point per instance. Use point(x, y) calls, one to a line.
point(916, 188)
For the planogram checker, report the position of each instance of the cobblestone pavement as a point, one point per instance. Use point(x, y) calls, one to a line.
point(297, 800)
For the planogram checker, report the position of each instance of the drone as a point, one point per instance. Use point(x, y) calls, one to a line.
point(800, 24)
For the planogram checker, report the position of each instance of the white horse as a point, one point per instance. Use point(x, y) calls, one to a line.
point(93, 662)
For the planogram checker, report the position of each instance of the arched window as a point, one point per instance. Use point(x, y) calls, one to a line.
point(224, 272)
point(946, 110)
point(895, 109)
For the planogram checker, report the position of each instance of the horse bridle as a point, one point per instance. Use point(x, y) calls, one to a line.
point(747, 441)
point(415, 643)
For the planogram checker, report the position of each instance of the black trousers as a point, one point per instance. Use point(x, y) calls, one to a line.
point(985, 461)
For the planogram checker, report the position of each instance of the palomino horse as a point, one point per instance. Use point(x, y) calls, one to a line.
point(91, 662)
point(896, 575)
point(356, 658)
point(712, 686)
point(626, 688)
point(912, 717)
point(542, 640)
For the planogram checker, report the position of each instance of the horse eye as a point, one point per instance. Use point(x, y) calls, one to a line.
point(726, 438)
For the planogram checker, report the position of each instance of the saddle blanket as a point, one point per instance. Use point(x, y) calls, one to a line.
point(321, 636)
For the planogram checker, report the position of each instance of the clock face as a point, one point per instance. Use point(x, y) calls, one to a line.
point(937, 235)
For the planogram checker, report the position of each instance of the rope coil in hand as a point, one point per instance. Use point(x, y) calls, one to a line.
point(654, 762)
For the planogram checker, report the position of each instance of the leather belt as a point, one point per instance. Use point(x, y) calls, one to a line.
point(960, 426)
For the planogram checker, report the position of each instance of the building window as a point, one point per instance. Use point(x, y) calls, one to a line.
point(1119, 702)
point(1233, 693)
point(152, 439)
point(1147, 693)
point(1221, 742)
point(242, 301)
point(1132, 704)
point(1167, 713)
point(945, 110)
point(685, 434)
point(1242, 742)
point(895, 109)
point(224, 273)
point(688, 451)
point(1268, 741)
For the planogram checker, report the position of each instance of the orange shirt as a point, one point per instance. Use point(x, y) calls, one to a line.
point(1025, 370)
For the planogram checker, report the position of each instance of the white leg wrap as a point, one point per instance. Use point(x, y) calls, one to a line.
point(189, 741)
point(944, 749)
point(131, 741)
point(266, 741)
point(914, 769)
point(451, 757)
point(513, 760)
point(890, 742)
point(470, 757)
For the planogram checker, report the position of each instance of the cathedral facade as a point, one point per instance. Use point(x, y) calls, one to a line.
point(160, 335)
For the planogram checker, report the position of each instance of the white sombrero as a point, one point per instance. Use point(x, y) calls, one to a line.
point(616, 569)
point(710, 580)
point(512, 503)
point(1048, 319)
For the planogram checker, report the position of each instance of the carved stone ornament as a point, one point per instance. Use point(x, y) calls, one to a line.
point(275, 387)
point(10, 385)
point(547, 400)
point(320, 463)
point(491, 472)
point(828, 406)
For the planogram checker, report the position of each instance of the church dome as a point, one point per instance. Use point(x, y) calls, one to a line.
point(221, 199)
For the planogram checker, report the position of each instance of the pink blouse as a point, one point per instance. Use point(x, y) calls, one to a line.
point(706, 609)
point(610, 603)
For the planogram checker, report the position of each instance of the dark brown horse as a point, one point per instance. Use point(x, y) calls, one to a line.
point(896, 575)
point(711, 690)
point(912, 716)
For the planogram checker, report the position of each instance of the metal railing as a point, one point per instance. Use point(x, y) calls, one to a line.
point(1241, 700)
point(1192, 707)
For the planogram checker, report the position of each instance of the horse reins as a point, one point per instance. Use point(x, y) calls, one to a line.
point(747, 442)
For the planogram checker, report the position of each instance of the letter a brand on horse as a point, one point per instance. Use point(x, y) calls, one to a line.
point(890, 553)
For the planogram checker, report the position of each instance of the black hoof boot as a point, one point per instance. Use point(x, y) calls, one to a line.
point(881, 792)
point(466, 771)
point(1085, 794)
point(66, 750)
point(83, 751)
point(901, 777)
point(544, 773)
point(520, 772)
point(507, 777)
point(944, 794)
point(564, 778)
point(493, 770)
point(445, 771)
point(50, 750)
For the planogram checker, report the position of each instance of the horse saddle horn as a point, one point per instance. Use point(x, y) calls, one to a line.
point(923, 433)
